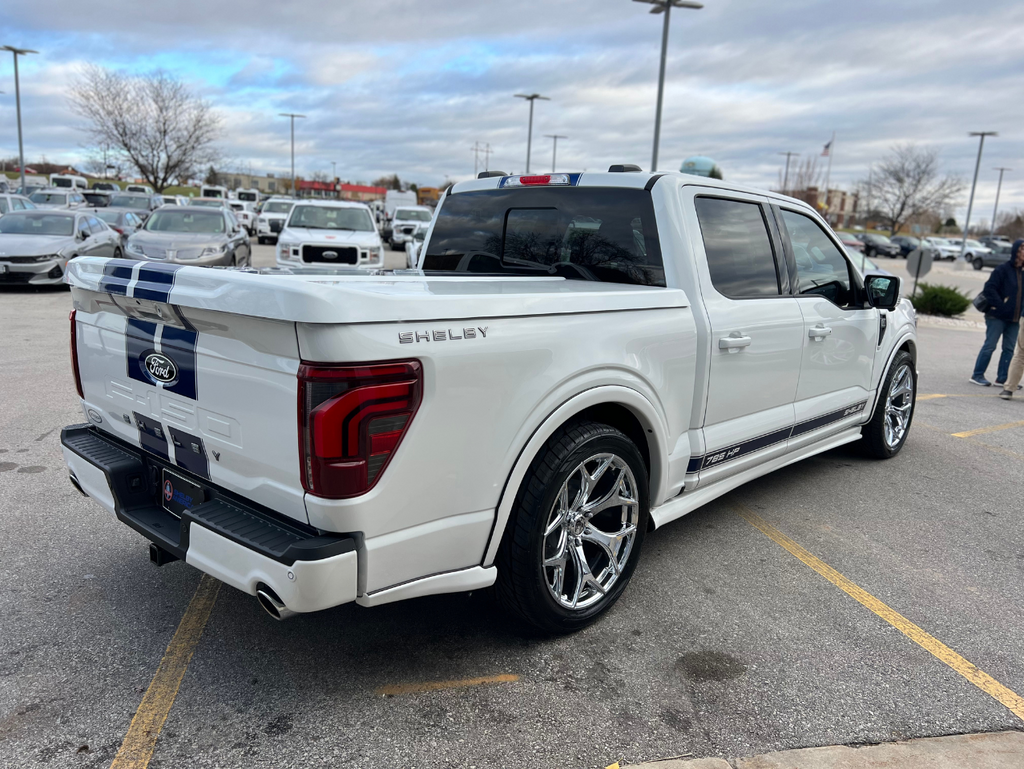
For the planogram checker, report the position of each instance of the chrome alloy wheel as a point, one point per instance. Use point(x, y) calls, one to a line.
point(898, 404)
point(590, 531)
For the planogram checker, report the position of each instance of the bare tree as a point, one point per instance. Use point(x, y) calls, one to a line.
point(164, 131)
point(907, 183)
point(391, 182)
point(1011, 224)
point(802, 177)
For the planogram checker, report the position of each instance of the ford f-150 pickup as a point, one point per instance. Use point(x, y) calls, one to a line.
point(579, 358)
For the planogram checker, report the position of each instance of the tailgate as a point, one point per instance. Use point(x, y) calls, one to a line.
point(211, 392)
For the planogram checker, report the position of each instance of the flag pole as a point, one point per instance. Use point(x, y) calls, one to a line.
point(828, 176)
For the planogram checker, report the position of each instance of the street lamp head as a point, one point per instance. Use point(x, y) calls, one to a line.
point(531, 97)
point(17, 51)
point(288, 114)
point(660, 5)
point(983, 133)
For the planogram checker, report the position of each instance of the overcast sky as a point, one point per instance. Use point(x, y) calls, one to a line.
point(409, 87)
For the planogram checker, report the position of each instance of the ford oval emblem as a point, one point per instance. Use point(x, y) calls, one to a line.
point(330, 254)
point(161, 368)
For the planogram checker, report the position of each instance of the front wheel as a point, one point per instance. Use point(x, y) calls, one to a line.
point(978, 263)
point(574, 536)
point(887, 431)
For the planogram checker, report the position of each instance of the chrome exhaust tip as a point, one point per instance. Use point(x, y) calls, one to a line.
point(272, 604)
point(76, 484)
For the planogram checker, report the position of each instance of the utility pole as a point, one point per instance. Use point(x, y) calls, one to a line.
point(785, 180)
point(487, 156)
point(999, 188)
point(664, 6)
point(17, 98)
point(831, 146)
point(529, 135)
point(292, 115)
point(554, 147)
point(334, 169)
point(970, 201)
point(477, 149)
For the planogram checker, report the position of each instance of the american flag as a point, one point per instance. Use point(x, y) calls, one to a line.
point(828, 149)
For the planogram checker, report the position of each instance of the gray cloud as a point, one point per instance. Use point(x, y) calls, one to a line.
point(409, 87)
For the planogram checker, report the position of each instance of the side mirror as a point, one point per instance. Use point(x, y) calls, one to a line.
point(883, 291)
point(83, 234)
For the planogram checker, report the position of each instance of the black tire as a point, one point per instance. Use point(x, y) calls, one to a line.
point(260, 241)
point(978, 263)
point(522, 585)
point(875, 443)
point(117, 253)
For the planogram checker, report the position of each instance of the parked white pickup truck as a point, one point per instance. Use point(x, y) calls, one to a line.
point(330, 234)
point(583, 357)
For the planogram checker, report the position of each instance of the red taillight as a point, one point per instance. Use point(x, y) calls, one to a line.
point(545, 179)
point(74, 354)
point(351, 420)
point(118, 230)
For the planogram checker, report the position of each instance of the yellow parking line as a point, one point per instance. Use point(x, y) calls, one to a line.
point(433, 686)
point(983, 430)
point(935, 396)
point(930, 397)
point(1013, 701)
point(137, 748)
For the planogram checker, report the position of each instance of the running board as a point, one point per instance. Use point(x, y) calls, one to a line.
point(687, 502)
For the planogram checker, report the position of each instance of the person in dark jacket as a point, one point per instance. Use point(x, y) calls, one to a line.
point(1005, 292)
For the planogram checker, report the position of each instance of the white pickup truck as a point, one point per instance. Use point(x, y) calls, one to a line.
point(583, 357)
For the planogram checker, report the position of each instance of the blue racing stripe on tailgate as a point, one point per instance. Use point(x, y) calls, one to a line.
point(140, 340)
point(155, 281)
point(116, 277)
point(179, 344)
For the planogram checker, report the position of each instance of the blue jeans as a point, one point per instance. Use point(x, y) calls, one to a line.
point(994, 328)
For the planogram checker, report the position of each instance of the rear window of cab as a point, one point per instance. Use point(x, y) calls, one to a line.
point(579, 233)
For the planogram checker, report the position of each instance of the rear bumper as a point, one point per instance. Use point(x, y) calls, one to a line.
point(226, 537)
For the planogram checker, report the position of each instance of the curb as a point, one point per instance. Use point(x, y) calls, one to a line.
point(990, 750)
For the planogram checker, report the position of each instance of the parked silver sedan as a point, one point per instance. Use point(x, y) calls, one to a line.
point(35, 246)
point(202, 237)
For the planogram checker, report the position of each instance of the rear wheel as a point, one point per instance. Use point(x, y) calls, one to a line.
point(574, 536)
point(117, 253)
point(978, 263)
point(887, 431)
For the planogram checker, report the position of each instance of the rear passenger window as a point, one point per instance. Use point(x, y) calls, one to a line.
point(578, 233)
point(739, 251)
point(821, 269)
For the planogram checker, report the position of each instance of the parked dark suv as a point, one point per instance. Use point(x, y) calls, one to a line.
point(906, 244)
point(879, 245)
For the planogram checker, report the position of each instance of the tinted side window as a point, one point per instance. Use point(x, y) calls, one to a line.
point(740, 255)
point(820, 267)
point(579, 233)
point(96, 225)
point(3, 206)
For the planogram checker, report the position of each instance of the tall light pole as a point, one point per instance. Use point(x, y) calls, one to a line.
point(970, 201)
point(785, 180)
point(334, 169)
point(664, 6)
point(17, 98)
point(554, 147)
point(529, 134)
point(292, 115)
point(999, 188)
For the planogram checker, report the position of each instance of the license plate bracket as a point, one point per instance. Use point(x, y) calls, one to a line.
point(178, 494)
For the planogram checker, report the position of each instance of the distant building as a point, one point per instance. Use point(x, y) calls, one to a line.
point(339, 190)
point(269, 184)
point(839, 207)
point(698, 165)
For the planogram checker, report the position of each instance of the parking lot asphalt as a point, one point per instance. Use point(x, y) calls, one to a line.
point(725, 644)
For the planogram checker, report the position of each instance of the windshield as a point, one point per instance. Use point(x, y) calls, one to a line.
point(207, 222)
point(412, 215)
point(207, 203)
point(110, 217)
point(325, 218)
point(52, 198)
point(129, 201)
point(18, 223)
point(248, 197)
point(61, 182)
point(974, 244)
point(168, 201)
point(237, 206)
point(574, 232)
point(277, 208)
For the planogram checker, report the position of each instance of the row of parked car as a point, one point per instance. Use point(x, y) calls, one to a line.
point(40, 233)
point(988, 251)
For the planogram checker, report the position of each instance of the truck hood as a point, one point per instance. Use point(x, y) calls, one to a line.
point(33, 245)
point(362, 296)
point(339, 237)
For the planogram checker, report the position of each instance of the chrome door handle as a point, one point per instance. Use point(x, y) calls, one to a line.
point(734, 343)
point(819, 332)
